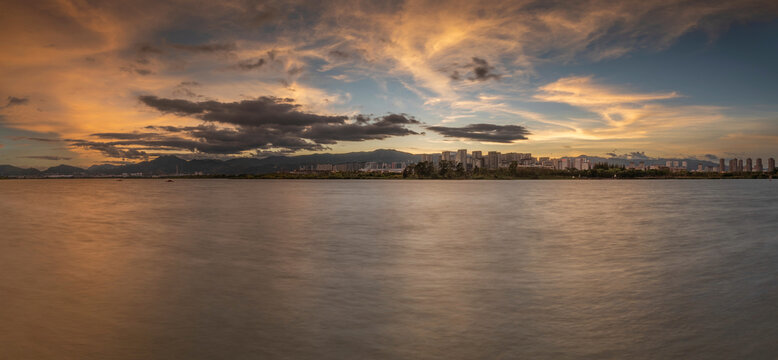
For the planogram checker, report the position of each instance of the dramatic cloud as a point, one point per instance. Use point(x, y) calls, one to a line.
point(263, 125)
point(711, 157)
point(266, 110)
point(84, 62)
point(47, 157)
point(484, 132)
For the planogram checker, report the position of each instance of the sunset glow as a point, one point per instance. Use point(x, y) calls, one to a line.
point(249, 78)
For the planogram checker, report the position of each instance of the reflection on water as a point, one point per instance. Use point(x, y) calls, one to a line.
point(212, 269)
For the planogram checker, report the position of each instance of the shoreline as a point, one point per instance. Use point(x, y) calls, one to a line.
point(396, 177)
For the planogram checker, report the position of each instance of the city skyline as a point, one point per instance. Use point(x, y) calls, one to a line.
point(470, 161)
point(103, 82)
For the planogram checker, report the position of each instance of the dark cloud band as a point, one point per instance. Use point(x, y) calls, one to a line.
point(265, 124)
point(484, 132)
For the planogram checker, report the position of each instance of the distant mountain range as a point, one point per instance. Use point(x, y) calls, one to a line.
point(167, 165)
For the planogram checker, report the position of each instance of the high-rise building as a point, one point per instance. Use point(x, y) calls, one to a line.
point(685, 165)
point(771, 165)
point(740, 165)
point(721, 165)
point(461, 157)
point(758, 167)
point(446, 156)
point(477, 160)
point(669, 163)
point(733, 165)
point(493, 160)
point(582, 163)
point(749, 165)
point(566, 163)
point(426, 158)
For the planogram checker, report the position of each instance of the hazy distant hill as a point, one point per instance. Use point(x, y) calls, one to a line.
point(167, 165)
point(10, 170)
point(64, 170)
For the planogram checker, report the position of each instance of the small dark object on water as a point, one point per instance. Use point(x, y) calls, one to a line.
point(169, 180)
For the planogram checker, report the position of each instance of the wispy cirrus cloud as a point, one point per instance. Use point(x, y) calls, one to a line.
point(586, 92)
point(620, 112)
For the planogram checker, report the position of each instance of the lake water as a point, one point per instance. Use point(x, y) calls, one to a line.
point(262, 269)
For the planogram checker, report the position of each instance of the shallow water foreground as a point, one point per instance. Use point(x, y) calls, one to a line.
point(242, 269)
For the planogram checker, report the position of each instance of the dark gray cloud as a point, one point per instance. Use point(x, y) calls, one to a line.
point(135, 69)
point(124, 136)
point(295, 70)
point(484, 132)
point(265, 110)
point(340, 54)
point(482, 70)
point(13, 101)
point(479, 70)
point(262, 17)
point(205, 48)
point(46, 157)
point(164, 50)
point(711, 157)
point(149, 49)
point(109, 150)
point(251, 64)
point(185, 89)
point(263, 125)
point(637, 155)
point(41, 139)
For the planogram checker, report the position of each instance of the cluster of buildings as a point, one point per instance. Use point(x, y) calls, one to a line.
point(494, 160)
point(672, 165)
point(737, 165)
point(389, 167)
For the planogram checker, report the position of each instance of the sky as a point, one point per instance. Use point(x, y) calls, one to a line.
point(86, 82)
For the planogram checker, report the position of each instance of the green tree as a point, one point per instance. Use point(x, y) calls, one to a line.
point(460, 170)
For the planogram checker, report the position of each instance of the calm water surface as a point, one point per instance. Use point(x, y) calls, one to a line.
point(241, 269)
